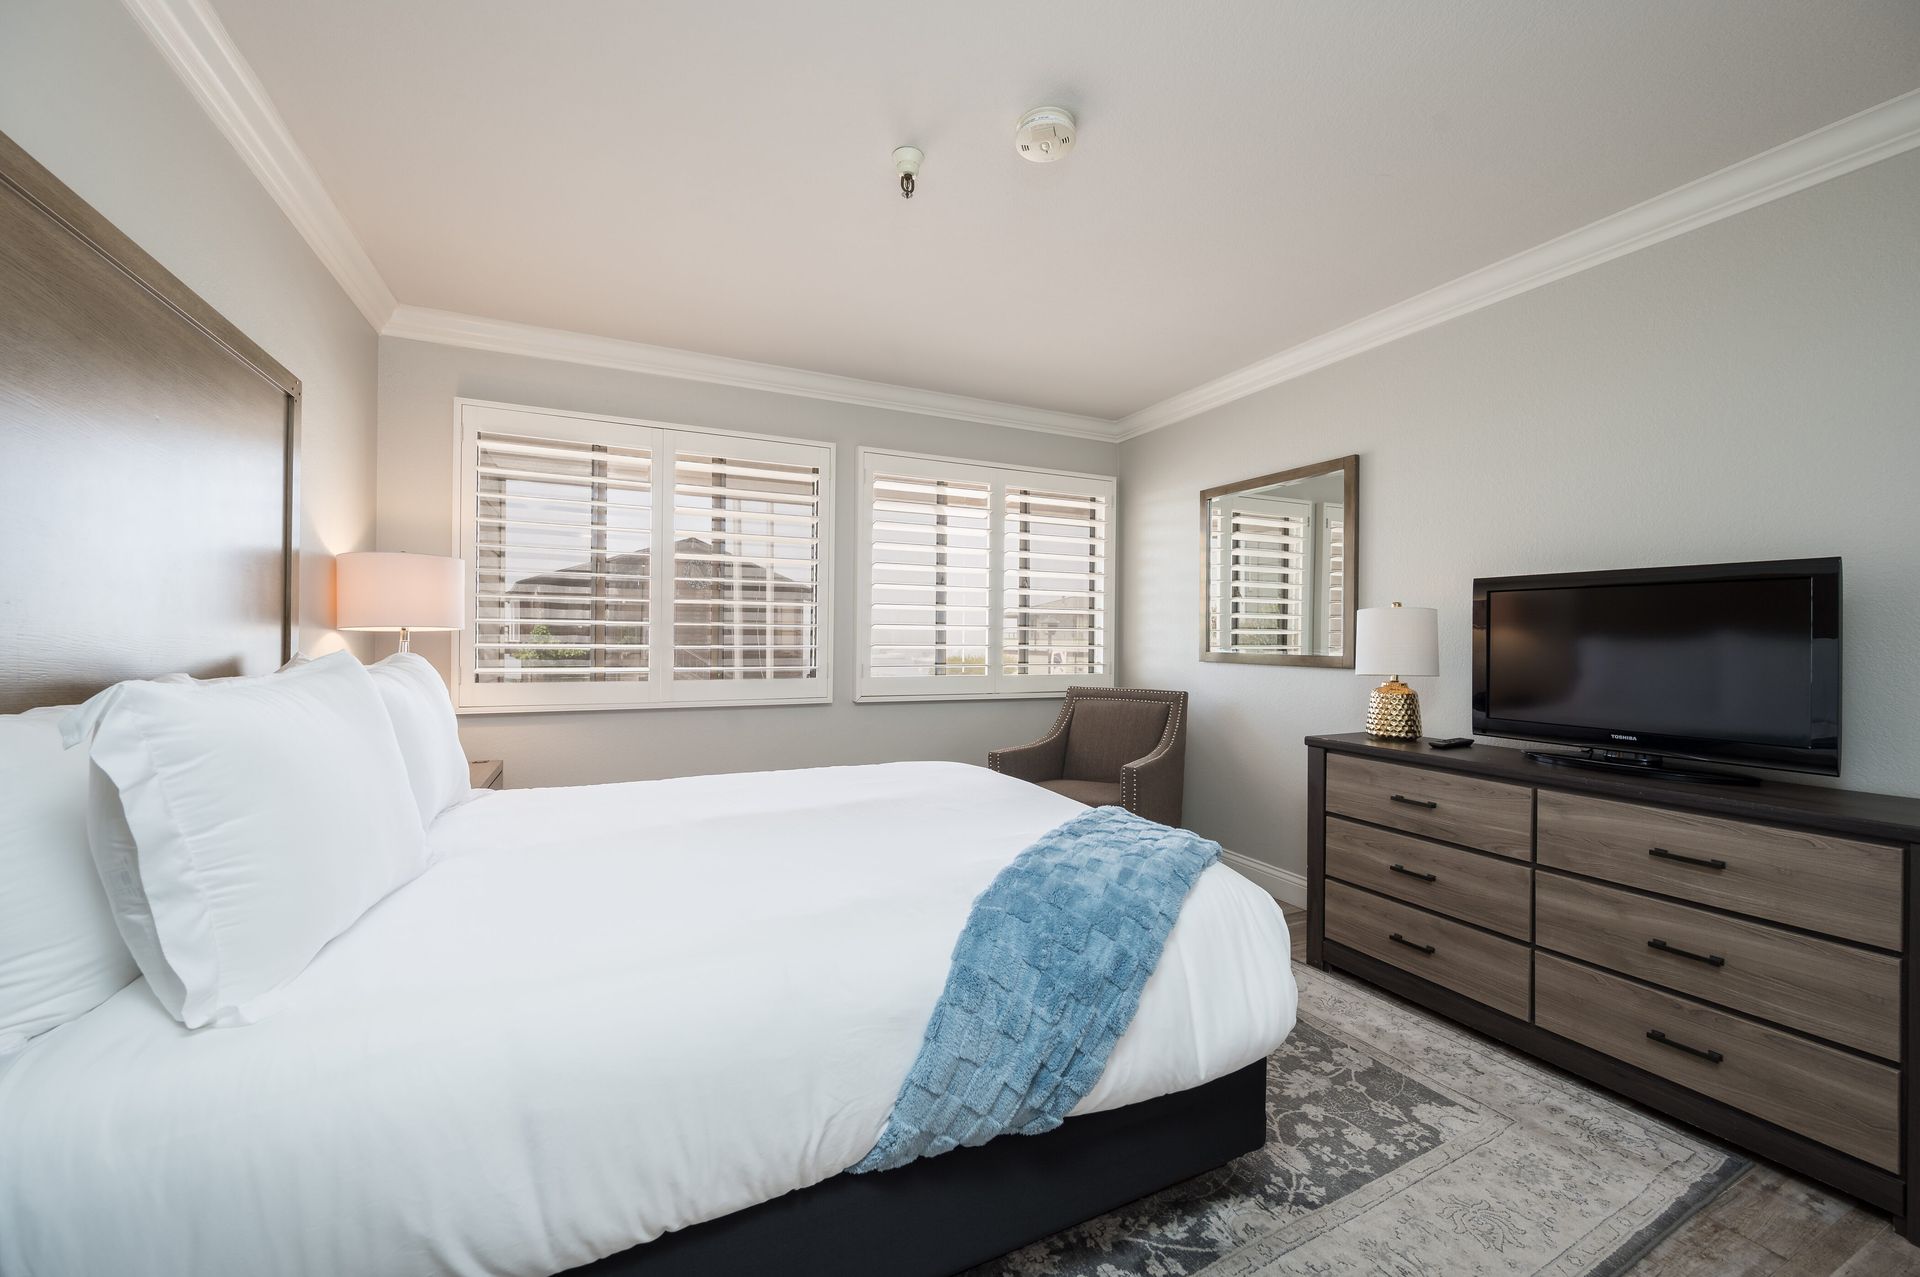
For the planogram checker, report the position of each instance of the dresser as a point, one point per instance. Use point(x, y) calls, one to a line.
point(1733, 956)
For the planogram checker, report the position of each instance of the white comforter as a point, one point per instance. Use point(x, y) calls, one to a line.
point(603, 1013)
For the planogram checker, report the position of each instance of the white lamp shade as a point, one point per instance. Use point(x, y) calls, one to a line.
point(1396, 640)
point(381, 590)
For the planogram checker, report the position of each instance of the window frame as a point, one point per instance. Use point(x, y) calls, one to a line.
point(663, 442)
point(996, 685)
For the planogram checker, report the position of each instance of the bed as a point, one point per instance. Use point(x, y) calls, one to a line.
point(604, 1013)
point(640, 1026)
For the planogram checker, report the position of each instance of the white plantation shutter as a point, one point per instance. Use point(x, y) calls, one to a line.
point(1259, 600)
point(625, 564)
point(1333, 535)
point(1216, 576)
point(560, 584)
point(746, 563)
point(980, 580)
point(1053, 554)
point(928, 558)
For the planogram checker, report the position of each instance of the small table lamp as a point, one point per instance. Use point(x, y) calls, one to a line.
point(382, 590)
point(1394, 641)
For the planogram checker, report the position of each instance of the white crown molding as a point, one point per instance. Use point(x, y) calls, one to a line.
point(194, 42)
point(190, 36)
point(1875, 134)
point(1853, 143)
point(448, 328)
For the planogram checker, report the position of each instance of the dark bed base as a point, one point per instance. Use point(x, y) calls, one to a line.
point(945, 1214)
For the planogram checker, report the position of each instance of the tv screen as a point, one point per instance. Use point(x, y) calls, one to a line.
point(1735, 663)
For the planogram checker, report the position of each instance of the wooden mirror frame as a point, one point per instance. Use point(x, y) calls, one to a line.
point(1347, 466)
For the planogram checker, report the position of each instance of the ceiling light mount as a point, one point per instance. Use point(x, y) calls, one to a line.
point(1045, 134)
point(906, 162)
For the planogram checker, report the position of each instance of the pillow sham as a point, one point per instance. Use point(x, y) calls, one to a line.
point(60, 955)
point(429, 737)
point(238, 826)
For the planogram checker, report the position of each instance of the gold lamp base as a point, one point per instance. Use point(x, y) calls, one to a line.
point(1393, 711)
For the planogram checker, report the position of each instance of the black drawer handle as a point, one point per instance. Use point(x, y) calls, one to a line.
point(1397, 938)
point(1414, 802)
point(1711, 1057)
point(1413, 873)
point(1711, 959)
point(1663, 854)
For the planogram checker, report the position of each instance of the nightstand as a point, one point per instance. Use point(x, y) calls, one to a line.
point(487, 774)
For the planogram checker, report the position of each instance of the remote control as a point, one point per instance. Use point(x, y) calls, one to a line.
point(1450, 742)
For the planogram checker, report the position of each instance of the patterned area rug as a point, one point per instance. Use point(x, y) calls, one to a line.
point(1402, 1146)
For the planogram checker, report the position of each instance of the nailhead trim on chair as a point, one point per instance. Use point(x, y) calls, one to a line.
point(1059, 725)
point(1129, 779)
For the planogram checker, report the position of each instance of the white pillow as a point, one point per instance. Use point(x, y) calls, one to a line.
point(422, 715)
point(59, 953)
point(239, 826)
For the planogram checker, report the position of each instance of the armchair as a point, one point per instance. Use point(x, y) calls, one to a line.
point(1110, 747)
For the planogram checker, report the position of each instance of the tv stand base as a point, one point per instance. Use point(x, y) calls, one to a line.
point(1640, 765)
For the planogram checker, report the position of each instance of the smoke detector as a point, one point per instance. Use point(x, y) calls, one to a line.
point(1045, 134)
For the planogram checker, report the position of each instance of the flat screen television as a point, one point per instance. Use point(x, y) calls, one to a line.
point(1730, 662)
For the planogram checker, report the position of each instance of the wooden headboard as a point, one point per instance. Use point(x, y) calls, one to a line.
point(147, 463)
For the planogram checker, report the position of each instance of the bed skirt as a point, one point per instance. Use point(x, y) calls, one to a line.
point(942, 1215)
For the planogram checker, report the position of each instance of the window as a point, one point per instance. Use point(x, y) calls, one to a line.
point(980, 581)
point(629, 564)
point(1054, 564)
point(1261, 547)
point(1333, 606)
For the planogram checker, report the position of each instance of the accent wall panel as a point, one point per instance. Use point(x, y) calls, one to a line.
point(145, 463)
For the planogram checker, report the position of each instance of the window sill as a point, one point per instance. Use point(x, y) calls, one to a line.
point(599, 707)
point(908, 698)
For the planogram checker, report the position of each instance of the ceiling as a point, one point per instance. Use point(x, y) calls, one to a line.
point(716, 177)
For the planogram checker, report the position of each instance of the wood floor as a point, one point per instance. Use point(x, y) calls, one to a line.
point(1771, 1223)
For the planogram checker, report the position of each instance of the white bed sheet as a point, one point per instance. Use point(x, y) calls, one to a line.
point(603, 1013)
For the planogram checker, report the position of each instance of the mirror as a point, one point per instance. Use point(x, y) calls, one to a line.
point(1279, 564)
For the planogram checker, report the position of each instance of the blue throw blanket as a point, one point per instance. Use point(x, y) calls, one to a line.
point(1045, 978)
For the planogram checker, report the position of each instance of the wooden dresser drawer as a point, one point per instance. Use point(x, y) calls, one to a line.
point(1486, 814)
point(1484, 890)
point(1825, 1094)
point(1830, 990)
point(1816, 881)
point(1480, 966)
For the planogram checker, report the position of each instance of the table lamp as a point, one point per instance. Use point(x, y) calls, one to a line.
point(383, 590)
point(1394, 641)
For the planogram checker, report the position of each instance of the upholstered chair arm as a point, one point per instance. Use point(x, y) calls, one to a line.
point(1044, 759)
point(1154, 786)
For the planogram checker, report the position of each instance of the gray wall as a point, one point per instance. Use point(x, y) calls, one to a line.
point(85, 93)
point(1747, 391)
point(418, 384)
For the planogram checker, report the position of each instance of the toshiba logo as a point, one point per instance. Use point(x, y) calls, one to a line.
point(1622, 736)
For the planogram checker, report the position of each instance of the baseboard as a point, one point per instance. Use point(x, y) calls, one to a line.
point(1283, 885)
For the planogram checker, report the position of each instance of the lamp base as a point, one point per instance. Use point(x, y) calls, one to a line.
point(1393, 712)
